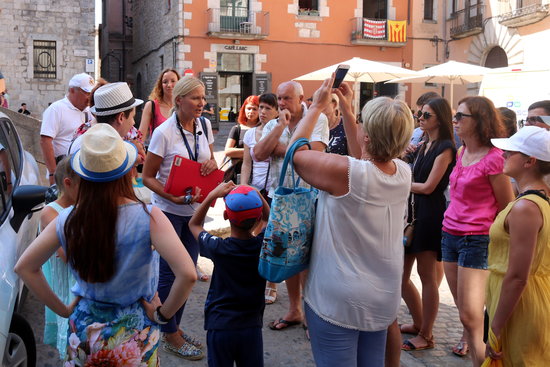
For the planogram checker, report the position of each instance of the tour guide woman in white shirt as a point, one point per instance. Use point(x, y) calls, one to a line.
point(353, 289)
point(182, 134)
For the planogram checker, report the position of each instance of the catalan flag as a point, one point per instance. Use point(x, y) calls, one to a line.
point(374, 28)
point(397, 30)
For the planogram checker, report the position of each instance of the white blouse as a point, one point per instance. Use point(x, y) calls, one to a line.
point(356, 264)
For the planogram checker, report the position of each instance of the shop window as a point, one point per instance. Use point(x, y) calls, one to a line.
point(235, 62)
point(44, 59)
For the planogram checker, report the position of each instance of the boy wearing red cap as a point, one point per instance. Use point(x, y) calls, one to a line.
point(235, 303)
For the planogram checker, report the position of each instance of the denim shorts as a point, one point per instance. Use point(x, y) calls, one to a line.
point(468, 251)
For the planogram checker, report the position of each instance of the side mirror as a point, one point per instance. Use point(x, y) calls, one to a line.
point(25, 199)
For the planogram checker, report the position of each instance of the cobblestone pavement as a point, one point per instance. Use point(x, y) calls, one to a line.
point(281, 348)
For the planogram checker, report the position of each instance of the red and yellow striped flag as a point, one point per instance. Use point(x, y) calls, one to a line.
point(397, 30)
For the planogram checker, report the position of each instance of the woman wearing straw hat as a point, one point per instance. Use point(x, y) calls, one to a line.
point(518, 291)
point(108, 237)
point(186, 134)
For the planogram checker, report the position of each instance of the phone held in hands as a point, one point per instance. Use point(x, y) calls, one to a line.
point(341, 72)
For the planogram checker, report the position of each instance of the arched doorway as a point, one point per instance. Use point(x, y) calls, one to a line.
point(496, 58)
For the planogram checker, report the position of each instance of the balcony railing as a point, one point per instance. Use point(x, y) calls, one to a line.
point(237, 23)
point(467, 22)
point(526, 12)
point(378, 32)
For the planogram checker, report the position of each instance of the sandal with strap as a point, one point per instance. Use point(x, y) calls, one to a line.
point(270, 295)
point(461, 348)
point(409, 346)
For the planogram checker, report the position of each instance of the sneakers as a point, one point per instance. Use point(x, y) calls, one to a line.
point(186, 351)
point(188, 338)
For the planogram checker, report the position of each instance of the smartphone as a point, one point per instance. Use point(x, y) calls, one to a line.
point(341, 72)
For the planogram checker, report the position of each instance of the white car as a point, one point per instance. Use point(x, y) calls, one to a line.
point(20, 200)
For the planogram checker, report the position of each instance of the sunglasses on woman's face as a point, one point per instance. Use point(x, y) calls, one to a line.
point(426, 115)
point(459, 115)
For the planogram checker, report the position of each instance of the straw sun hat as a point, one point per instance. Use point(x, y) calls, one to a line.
point(103, 155)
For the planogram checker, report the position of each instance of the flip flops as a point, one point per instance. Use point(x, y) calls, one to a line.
point(286, 324)
point(461, 348)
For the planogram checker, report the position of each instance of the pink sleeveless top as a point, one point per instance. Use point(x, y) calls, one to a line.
point(159, 118)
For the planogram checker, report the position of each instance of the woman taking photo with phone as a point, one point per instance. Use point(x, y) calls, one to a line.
point(116, 313)
point(519, 256)
point(359, 201)
point(187, 135)
point(478, 191)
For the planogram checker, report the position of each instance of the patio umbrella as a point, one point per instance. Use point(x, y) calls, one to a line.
point(451, 72)
point(361, 70)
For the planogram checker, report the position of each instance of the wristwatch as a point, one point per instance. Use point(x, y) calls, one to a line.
point(187, 199)
point(159, 318)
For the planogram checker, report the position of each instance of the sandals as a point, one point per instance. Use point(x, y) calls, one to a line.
point(203, 277)
point(461, 348)
point(285, 324)
point(270, 295)
point(408, 329)
point(409, 346)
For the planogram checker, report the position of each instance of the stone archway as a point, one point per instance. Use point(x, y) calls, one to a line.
point(496, 35)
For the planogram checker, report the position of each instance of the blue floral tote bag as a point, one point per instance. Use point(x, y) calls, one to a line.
point(289, 232)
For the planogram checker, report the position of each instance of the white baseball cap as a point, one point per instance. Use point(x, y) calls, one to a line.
point(529, 140)
point(82, 81)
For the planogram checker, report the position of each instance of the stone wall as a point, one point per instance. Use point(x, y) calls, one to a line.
point(70, 23)
point(28, 129)
point(157, 42)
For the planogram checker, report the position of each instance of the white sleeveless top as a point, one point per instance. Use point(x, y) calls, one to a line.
point(356, 264)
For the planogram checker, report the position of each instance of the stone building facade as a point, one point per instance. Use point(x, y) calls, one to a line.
point(43, 44)
point(157, 41)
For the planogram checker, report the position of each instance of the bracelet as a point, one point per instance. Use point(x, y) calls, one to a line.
point(51, 175)
point(159, 318)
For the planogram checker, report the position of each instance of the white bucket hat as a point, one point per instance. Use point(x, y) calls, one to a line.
point(103, 155)
point(113, 98)
point(529, 140)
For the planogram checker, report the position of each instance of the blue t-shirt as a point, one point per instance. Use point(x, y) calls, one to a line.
point(236, 296)
point(136, 263)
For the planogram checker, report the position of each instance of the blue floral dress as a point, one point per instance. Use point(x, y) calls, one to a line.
point(109, 327)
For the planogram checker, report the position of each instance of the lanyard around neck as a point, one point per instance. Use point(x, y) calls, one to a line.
point(194, 157)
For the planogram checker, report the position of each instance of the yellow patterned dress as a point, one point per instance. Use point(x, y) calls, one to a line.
point(526, 336)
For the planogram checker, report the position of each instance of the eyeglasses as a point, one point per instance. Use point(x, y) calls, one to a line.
point(532, 120)
point(459, 115)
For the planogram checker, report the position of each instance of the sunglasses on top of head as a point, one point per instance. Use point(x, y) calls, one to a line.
point(459, 115)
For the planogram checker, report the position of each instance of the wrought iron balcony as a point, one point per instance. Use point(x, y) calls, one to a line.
point(377, 32)
point(525, 12)
point(467, 22)
point(237, 23)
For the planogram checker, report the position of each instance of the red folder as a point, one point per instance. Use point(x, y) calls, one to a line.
point(186, 173)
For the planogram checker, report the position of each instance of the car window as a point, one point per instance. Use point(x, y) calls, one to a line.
point(10, 165)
